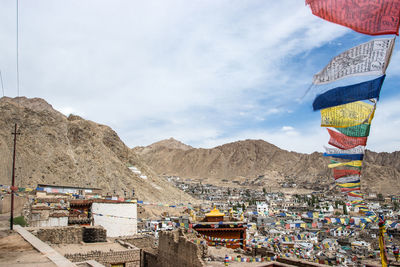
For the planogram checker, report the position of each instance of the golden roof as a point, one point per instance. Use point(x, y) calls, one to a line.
point(214, 213)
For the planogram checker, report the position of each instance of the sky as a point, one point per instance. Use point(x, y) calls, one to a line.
point(203, 72)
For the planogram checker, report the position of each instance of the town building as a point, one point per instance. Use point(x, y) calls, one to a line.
point(74, 190)
point(217, 231)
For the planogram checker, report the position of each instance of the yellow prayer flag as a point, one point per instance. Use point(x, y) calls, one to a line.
point(349, 185)
point(347, 115)
point(354, 163)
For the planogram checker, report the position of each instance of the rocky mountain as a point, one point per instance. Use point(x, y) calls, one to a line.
point(55, 149)
point(260, 164)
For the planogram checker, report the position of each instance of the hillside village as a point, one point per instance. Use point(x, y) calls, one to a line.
point(264, 226)
point(133, 212)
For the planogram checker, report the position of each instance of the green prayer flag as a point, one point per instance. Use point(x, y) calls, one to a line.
point(361, 130)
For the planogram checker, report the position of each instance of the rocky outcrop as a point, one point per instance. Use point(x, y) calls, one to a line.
point(55, 149)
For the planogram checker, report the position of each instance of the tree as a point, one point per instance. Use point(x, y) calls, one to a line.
point(336, 204)
point(313, 199)
point(380, 197)
point(344, 209)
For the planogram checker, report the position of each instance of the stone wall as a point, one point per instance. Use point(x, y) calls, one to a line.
point(71, 234)
point(94, 234)
point(148, 248)
point(130, 257)
point(60, 235)
point(174, 250)
point(149, 259)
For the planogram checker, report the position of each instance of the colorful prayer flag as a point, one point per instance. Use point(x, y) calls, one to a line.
point(356, 153)
point(346, 156)
point(347, 115)
point(382, 245)
point(355, 163)
point(354, 196)
point(342, 141)
point(361, 130)
point(356, 184)
point(349, 93)
point(350, 189)
point(354, 150)
point(369, 17)
point(345, 172)
point(348, 179)
point(370, 58)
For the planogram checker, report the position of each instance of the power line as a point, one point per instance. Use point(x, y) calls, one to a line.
point(17, 50)
point(1, 79)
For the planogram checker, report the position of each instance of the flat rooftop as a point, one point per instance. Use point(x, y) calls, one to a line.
point(16, 251)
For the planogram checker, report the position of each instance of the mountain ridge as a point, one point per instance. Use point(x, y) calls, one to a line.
point(55, 149)
point(248, 159)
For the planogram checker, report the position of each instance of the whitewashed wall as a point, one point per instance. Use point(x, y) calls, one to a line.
point(119, 219)
point(51, 221)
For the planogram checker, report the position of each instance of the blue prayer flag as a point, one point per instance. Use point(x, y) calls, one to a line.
point(350, 93)
point(346, 156)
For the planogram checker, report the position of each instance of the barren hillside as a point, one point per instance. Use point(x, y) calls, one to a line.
point(55, 149)
point(260, 164)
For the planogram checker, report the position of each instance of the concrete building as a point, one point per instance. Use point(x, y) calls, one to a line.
point(43, 219)
point(48, 212)
point(67, 189)
point(118, 218)
point(262, 208)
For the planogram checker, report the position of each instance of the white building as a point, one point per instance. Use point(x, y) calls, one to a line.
point(344, 232)
point(41, 220)
point(262, 208)
point(119, 218)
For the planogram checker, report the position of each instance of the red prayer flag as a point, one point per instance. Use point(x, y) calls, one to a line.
point(350, 189)
point(345, 172)
point(343, 141)
point(373, 17)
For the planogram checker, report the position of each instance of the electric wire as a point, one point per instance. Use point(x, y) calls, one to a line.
point(17, 37)
point(2, 85)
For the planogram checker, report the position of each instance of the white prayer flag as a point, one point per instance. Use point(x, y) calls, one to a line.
point(370, 58)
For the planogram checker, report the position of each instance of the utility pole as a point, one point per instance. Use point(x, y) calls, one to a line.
point(13, 178)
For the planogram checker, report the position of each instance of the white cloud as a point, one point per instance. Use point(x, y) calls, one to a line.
point(394, 66)
point(69, 110)
point(204, 72)
point(384, 134)
point(287, 129)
